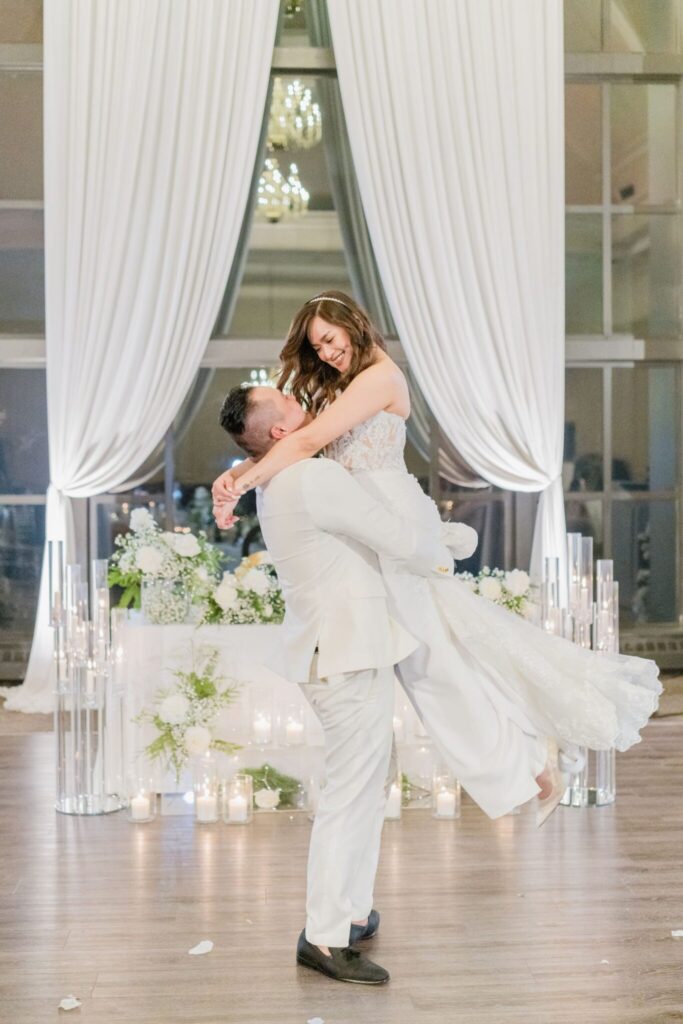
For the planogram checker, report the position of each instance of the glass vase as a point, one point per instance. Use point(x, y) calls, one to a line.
point(392, 811)
point(142, 799)
point(165, 602)
point(445, 795)
point(205, 786)
point(238, 800)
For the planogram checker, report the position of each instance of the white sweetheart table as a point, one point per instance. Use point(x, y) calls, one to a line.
point(270, 718)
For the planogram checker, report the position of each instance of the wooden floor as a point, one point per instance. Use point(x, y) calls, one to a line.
point(481, 921)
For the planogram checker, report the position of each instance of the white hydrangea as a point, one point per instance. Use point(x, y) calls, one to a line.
point(169, 538)
point(197, 740)
point(174, 709)
point(490, 588)
point(256, 581)
point(517, 582)
point(149, 560)
point(186, 545)
point(141, 519)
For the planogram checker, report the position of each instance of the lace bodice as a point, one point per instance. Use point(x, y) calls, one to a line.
point(377, 443)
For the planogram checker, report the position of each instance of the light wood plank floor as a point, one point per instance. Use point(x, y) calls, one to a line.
point(482, 922)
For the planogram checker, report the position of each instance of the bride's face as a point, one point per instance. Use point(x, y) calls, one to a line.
point(331, 343)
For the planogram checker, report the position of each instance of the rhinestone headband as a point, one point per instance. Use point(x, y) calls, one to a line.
point(328, 298)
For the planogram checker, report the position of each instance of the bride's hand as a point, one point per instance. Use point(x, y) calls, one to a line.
point(460, 538)
point(224, 489)
point(223, 514)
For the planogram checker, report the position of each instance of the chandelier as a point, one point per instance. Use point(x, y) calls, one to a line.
point(279, 197)
point(295, 121)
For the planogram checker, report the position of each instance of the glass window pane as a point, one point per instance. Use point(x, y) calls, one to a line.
point(582, 30)
point(583, 274)
point(21, 135)
point(644, 545)
point(293, 26)
point(21, 21)
point(292, 259)
point(22, 536)
point(583, 144)
point(643, 26)
point(22, 272)
point(583, 431)
point(646, 276)
point(23, 432)
point(643, 127)
point(586, 517)
point(644, 422)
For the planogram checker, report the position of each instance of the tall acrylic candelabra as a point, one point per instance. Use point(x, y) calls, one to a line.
point(591, 623)
point(88, 699)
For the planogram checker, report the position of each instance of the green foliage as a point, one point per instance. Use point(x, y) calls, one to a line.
point(267, 777)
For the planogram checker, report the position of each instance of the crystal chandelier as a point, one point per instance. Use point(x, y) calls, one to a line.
point(279, 197)
point(295, 120)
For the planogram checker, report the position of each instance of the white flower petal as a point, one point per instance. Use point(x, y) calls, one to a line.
point(205, 946)
point(69, 1003)
point(678, 934)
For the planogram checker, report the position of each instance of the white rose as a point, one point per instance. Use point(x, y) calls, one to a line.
point(197, 740)
point(517, 582)
point(490, 588)
point(202, 574)
point(256, 581)
point(149, 560)
point(169, 538)
point(266, 799)
point(186, 545)
point(141, 519)
point(174, 709)
point(225, 595)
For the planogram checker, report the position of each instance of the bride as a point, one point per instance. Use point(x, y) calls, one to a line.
point(507, 704)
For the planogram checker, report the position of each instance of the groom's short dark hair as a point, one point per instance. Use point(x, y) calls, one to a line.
point(244, 420)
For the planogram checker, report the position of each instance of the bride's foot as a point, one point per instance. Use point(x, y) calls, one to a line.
point(553, 784)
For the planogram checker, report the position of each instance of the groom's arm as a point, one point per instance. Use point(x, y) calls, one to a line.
point(339, 505)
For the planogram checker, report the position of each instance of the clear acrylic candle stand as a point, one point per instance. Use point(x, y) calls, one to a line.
point(595, 785)
point(88, 708)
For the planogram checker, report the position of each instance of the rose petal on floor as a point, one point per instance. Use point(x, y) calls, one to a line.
point(205, 946)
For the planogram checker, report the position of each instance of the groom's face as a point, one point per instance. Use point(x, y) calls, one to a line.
point(284, 412)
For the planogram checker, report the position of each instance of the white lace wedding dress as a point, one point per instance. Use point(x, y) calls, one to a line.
point(546, 683)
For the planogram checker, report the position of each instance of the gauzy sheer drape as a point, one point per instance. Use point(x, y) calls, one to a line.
point(152, 118)
point(455, 119)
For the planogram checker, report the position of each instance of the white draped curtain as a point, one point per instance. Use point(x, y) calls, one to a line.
point(152, 116)
point(455, 118)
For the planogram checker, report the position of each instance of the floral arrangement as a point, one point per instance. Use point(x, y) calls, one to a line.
point(249, 594)
point(148, 552)
point(511, 590)
point(185, 716)
point(274, 789)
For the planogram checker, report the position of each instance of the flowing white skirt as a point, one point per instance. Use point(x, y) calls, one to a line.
point(580, 697)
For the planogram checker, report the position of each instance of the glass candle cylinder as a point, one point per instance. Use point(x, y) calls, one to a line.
point(392, 811)
point(205, 786)
point(445, 795)
point(238, 800)
point(142, 800)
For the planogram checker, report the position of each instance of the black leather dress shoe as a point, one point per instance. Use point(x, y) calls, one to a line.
point(344, 963)
point(364, 931)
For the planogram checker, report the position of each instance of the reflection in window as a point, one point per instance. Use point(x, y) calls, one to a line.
point(643, 143)
point(586, 517)
point(643, 27)
point(22, 536)
point(583, 144)
point(582, 26)
point(583, 274)
point(644, 543)
point(644, 428)
point(23, 432)
point(646, 278)
point(583, 440)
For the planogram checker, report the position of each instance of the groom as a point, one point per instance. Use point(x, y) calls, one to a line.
point(323, 532)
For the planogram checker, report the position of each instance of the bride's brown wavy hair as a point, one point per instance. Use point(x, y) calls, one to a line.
point(312, 382)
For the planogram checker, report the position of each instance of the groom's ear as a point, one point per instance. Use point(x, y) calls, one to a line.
point(277, 432)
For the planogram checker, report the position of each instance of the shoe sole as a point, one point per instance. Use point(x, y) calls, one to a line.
point(312, 965)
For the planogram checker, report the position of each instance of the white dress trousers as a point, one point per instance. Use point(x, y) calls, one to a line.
point(356, 712)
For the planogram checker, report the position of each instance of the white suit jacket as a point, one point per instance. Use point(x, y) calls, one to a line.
point(322, 531)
